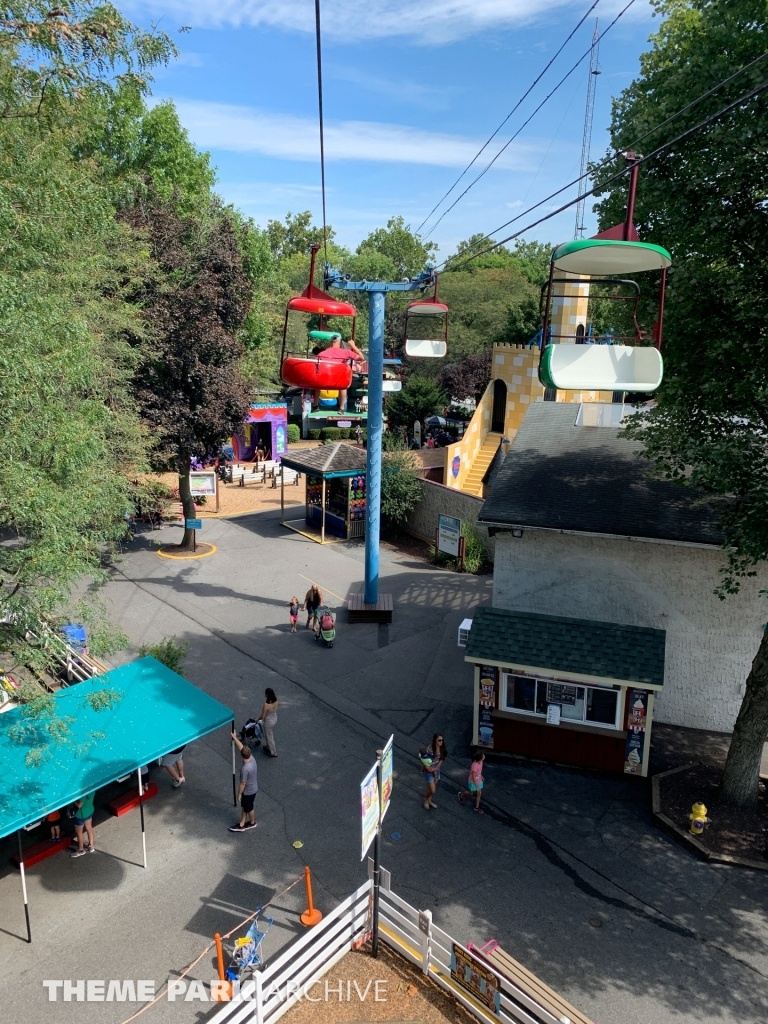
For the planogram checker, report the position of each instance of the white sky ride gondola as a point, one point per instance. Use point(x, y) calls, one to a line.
point(607, 363)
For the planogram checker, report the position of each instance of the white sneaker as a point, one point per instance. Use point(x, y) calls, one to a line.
point(177, 783)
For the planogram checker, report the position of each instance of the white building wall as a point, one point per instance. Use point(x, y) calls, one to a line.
point(710, 643)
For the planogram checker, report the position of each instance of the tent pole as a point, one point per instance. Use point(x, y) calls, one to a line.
point(141, 809)
point(24, 886)
point(234, 772)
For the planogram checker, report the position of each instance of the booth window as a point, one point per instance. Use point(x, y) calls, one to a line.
point(595, 705)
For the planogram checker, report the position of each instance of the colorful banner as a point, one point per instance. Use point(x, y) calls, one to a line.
point(489, 684)
point(369, 805)
point(636, 719)
point(475, 977)
point(386, 776)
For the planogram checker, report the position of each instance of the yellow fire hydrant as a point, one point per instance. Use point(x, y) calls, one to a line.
point(698, 818)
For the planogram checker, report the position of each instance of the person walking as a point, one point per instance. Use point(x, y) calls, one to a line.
point(312, 601)
point(268, 718)
point(174, 765)
point(293, 611)
point(249, 787)
point(437, 753)
point(475, 782)
point(83, 821)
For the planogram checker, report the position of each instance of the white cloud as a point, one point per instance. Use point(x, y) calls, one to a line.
point(431, 21)
point(246, 130)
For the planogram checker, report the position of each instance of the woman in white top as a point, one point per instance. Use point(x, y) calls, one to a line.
point(268, 718)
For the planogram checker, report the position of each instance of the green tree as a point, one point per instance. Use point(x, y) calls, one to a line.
point(705, 199)
point(418, 399)
point(401, 488)
point(188, 387)
point(409, 255)
point(295, 236)
point(71, 437)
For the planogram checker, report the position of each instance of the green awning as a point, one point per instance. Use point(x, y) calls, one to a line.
point(599, 257)
point(159, 712)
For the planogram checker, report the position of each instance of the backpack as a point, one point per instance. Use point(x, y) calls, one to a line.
point(326, 622)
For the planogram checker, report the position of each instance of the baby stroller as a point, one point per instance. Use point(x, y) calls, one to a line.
point(326, 627)
point(252, 733)
point(247, 953)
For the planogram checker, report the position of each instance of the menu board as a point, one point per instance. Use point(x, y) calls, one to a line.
point(560, 693)
point(489, 684)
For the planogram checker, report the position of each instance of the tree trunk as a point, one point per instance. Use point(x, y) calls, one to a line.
point(187, 502)
point(742, 769)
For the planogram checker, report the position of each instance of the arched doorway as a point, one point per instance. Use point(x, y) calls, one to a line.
point(499, 406)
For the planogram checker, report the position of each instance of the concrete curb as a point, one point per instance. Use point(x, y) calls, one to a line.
point(663, 822)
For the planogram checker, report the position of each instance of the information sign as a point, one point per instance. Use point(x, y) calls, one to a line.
point(448, 534)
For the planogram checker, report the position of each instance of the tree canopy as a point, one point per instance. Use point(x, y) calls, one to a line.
point(705, 200)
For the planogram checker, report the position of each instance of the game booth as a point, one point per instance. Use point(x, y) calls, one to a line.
point(265, 428)
point(574, 691)
point(336, 492)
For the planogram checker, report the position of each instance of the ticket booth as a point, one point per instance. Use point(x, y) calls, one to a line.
point(336, 501)
point(569, 690)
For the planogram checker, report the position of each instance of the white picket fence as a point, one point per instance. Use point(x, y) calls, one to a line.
point(410, 931)
point(275, 989)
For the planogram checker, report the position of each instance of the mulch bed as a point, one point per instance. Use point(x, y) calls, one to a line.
point(734, 831)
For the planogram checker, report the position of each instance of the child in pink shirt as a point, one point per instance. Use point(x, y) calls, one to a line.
point(475, 779)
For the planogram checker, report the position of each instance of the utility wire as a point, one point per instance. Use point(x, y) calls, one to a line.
point(493, 136)
point(546, 99)
point(609, 159)
point(602, 185)
point(320, 111)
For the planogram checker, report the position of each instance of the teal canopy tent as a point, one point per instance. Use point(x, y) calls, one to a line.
point(157, 712)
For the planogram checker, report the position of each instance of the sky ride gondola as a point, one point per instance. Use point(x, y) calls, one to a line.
point(417, 313)
point(604, 367)
point(317, 372)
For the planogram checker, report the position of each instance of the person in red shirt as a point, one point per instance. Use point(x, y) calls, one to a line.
point(337, 353)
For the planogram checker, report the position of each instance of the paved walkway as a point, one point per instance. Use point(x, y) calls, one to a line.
point(565, 869)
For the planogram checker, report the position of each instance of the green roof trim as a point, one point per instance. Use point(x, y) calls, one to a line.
point(600, 256)
point(552, 643)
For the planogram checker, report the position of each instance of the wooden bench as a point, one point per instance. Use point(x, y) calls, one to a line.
point(359, 611)
point(128, 801)
point(527, 982)
point(42, 851)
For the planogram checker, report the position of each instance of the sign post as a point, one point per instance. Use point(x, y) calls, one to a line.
point(194, 525)
point(376, 793)
point(417, 433)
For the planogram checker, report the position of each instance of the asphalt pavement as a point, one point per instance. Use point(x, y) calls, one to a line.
point(564, 869)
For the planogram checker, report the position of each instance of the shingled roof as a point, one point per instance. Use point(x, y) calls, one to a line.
point(328, 460)
point(559, 476)
point(555, 644)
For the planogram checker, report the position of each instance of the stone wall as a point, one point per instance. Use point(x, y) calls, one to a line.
point(710, 643)
point(439, 500)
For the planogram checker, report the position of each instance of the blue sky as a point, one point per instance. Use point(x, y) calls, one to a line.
point(411, 90)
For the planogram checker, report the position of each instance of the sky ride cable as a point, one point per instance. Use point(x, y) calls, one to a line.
point(602, 185)
point(320, 112)
point(632, 146)
point(546, 99)
point(527, 92)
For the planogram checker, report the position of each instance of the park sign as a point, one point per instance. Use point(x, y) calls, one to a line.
point(193, 524)
point(386, 775)
point(448, 534)
point(369, 806)
point(202, 483)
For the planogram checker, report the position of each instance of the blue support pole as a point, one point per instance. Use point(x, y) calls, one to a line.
point(377, 292)
point(375, 430)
